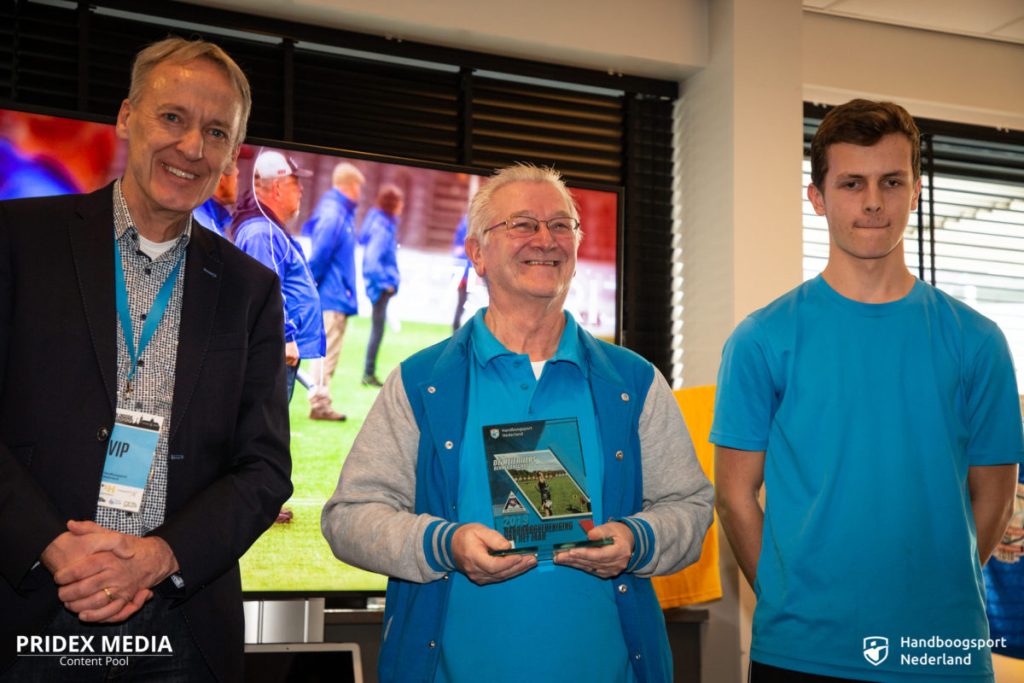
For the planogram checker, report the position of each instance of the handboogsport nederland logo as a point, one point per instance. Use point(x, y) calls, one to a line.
point(876, 649)
point(928, 651)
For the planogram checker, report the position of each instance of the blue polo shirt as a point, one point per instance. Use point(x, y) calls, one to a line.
point(553, 622)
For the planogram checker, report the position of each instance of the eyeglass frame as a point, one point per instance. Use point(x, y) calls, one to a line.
point(547, 223)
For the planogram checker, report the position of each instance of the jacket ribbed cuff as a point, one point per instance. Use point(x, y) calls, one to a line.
point(643, 542)
point(437, 545)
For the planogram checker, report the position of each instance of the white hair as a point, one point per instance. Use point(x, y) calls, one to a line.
point(480, 213)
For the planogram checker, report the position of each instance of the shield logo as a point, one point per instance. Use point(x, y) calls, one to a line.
point(495, 433)
point(876, 649)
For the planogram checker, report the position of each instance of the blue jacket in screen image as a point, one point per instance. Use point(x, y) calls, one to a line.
point(333, 260)
point(258, 234)
point(212, 216)
point(23, 176)
point(379, 234)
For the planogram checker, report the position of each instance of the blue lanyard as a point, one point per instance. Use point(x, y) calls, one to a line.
point(153, 318)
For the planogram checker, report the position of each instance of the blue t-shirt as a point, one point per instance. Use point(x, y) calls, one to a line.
point(492, 632)
point(870, 416)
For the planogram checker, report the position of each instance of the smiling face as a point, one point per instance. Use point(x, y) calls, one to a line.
point(867, 196)
point(525, 270)
point(180, 134)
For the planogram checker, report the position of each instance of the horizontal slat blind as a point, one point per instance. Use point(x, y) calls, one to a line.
point(382, 108)
point(579, 133)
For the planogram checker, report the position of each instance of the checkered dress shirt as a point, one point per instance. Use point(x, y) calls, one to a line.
point(152, 387)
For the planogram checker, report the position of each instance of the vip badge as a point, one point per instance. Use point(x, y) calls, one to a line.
point(876, 649)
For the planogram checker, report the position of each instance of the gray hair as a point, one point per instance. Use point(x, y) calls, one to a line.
point(180, 51)
point(480, 213)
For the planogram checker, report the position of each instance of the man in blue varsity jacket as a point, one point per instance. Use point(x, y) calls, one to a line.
point(415, 501)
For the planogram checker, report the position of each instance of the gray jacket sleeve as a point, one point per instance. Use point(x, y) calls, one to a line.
point(678, 498)
point(369, 521)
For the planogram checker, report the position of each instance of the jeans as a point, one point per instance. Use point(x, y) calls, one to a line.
point(380, 310)
point(291, 372)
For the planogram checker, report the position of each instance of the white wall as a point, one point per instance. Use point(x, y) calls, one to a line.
point(740, 130)
point(934, 75)
point(657, 38)
point(742, 146)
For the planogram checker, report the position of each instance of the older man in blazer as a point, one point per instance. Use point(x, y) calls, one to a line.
point(113, 302)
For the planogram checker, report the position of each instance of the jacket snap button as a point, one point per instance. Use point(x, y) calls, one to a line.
point(618, 455)
point(431, 390)
point(625, 396)
point(623, 588)
point(448, 445)
point(102, 434)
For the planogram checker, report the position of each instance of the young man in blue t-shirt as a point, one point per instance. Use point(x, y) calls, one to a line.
point(882, 417)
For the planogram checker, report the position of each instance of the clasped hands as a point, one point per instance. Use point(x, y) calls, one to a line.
point(105, 576)
point(472, 543)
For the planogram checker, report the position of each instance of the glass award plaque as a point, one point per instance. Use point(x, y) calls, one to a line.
point(538, 483)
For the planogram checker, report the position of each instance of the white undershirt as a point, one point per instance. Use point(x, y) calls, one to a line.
point(154, 250)
point(538, 367)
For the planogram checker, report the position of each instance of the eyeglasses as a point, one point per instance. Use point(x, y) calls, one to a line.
point(528, 226)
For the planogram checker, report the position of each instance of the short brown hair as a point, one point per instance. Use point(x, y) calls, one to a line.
point(389, 198)
point(862, 122)
point(179, 51)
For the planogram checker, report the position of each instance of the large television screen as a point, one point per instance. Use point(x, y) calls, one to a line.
point(41, 155)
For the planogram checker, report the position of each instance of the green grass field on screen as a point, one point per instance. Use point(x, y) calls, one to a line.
point(565, 496)
point(295, 556)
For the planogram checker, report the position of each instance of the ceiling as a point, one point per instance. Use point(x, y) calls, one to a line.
point(1001, 20)
point(996, 20)
point(991, 19)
